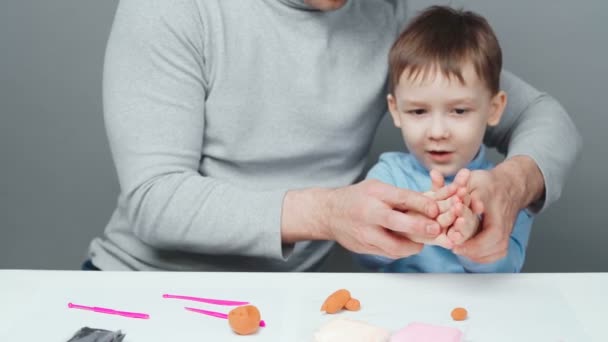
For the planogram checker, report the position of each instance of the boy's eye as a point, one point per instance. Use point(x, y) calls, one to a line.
point(416, 111)
point(460, 110)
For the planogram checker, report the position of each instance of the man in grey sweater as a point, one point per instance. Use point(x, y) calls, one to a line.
point(238, 129)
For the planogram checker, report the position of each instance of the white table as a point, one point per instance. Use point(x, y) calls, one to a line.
point(523, 307)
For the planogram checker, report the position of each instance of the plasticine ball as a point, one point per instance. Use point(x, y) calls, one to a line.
point(244, 320)
point(459, 314)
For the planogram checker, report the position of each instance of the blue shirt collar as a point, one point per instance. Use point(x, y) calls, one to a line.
point(475, 164)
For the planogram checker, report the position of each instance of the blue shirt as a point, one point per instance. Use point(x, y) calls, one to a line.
point(405, 171)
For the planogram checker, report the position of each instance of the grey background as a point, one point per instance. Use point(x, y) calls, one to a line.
point(58, 185)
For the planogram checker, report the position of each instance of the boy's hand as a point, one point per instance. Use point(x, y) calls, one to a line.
point(450, 199)
point(468, 223)
point(464, 228)
point(449, 213)
point(450, 208)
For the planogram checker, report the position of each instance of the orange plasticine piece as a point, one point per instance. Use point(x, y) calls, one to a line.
point(244, 320)
point(336, 301)
point(459, 314)
point(353, 305)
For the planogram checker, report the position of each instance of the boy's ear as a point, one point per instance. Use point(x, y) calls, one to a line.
point(497, 107)
point(392, 108)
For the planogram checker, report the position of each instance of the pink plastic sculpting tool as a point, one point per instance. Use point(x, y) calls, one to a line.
point(216, 314)
point(207, 300)
point(109, 311)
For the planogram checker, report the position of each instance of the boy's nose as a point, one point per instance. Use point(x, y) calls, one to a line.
point(439, 128)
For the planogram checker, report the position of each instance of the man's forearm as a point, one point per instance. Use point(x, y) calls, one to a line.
point(304, 215)
point(534, 124)
point(526, 182)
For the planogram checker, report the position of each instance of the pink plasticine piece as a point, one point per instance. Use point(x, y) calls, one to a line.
point(109, 311)
point(217, 314)
point(207, 300)
point(422, 332)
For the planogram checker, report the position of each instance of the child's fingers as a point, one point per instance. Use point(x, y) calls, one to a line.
point(458, 209)
point(454, 235)
point(443, 241)
point(457, 234)
point(437, 180)
point(445, 192)
point(464, 228)
point(447, 218)
point(447, 204)
point(462, 192)
point(462, 177)
point(464, 195)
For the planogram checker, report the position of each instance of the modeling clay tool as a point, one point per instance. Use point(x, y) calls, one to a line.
point(207, 300)
point(109, 311)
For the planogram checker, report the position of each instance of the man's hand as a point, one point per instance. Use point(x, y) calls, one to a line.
point(369, 217)
point(499, 194)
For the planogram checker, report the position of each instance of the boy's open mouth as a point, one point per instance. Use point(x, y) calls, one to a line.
point(440, 156)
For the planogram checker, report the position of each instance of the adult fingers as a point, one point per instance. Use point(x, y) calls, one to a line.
point(407, 222)
point(477, 203)
point(489, 241)
point(446, 192)
point(392, 245)
point(407, 200)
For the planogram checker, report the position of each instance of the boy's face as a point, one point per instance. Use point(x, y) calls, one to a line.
point(442, 120)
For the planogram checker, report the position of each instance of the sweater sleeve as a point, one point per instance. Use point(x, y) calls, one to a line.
point(154, 92)
point(536, 125)
point(516, 253)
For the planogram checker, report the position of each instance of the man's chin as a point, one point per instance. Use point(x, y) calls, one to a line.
point(326, 5)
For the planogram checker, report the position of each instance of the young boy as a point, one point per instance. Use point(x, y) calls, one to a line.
point(444, 92)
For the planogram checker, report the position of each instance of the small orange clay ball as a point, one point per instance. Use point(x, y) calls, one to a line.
point(459, 314)
point(244, 320)
point(353, 305)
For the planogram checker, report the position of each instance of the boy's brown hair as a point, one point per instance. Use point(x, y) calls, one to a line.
point(446, 38)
